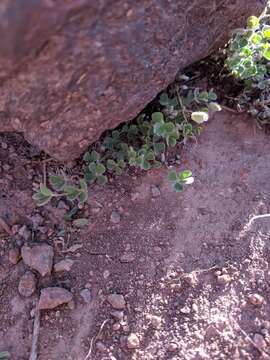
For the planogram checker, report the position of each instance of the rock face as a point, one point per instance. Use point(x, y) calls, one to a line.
point(71, 69)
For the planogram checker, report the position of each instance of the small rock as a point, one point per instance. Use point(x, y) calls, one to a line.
point(156, 321)
point(224, 279)
point(135, 196)
point(39, 258)
point(100, 346)
point(37, 220)
point(211, 331)
point(115, 217)
point(133, 342)
point(190, 279)
point(51, 297)
point(119, 315)
point(14, 256)
point(256, 299)
point(106, 274)
point(116, 326)
point(25, 233)
point(172, 347)
point(117, 301)
point(259, 341)
point(86, 295)
point(155, 191)
point(185, 310)
point(127, 258)
point(63, 265)
point(71, 305)
point(27, 284)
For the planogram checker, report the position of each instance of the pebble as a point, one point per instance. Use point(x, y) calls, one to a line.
point(71, 305)
point(52, 297)
point(86, 295)
point(259, 341)
point(63, 265)
point(119, 315)
point(135, 196)
point(14, 256)
point(185, 310)
point(155, 191)
point(224, 279)
point(37, 220)
point(115, 217)
point(27, 284)
point(190, 279)
point(116, 326)
point(25, 233)
point(156, 321)
point(100, 346)
point(256, 299)
point(172, 347)
point(39, 258)
point(127, 258)
point(133, 342)
point(106, 274)
point(117, 301)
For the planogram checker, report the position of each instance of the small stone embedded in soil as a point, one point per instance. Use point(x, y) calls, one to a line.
point(259, 341)
point(191, 279)
point(119, 315)
point(14, 256)
point(25, 233)
point(256, 299)
point(63, 265)
point(115, 217)
point(117, 301)
point(39, 258)
point(224, 279)
point(101, 347)
point(172, 347)
point(133, 342)
point(86, 295)
point(156, 321)
point(127, 258)
point(106, 274)
point(155, 191)
point(52, 297)
point(185, 310)
point(27, 284)
point(116, 326)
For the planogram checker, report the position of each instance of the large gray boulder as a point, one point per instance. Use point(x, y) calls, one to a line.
point(71, 69)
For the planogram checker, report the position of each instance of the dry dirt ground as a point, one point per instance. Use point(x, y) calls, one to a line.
point(193, 267)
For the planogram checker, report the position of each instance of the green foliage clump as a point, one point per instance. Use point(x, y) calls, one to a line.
point(60, 186)
point(142, 144)
point(5, 355)
point(248, 54)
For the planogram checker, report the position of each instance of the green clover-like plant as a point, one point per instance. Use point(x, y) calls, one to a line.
point(180, 180)
point(5, 355)
point(95, 170)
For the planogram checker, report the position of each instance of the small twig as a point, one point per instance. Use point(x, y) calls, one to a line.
point(181, 105)
point(5, 226)
point(229, 109)
point(94, 338)
point(258, 217)
point(44, 174)
point(33, 354)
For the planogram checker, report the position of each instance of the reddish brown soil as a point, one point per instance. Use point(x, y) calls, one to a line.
point(182, 245)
